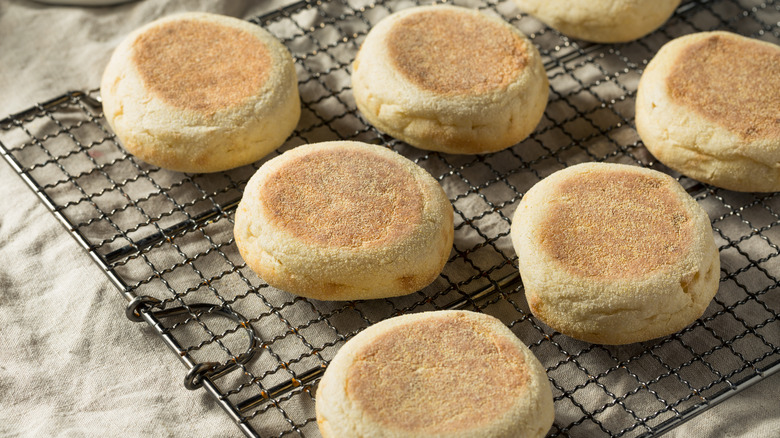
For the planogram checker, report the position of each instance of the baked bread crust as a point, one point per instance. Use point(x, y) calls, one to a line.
point(614, 254)
point(450, 79)
point(708, 106)
point(435, 374)
point(344, 220)
point(200, 92)
point(601, 21)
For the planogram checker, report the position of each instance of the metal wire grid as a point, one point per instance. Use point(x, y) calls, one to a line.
point(165, 238)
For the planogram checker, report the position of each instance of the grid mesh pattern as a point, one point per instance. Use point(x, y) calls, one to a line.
point(167, 236)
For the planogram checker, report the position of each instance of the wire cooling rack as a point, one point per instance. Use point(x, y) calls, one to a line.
point(165, 238)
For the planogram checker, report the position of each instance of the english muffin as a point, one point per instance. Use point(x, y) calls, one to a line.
point(614, 254)
point(601, 21)
point(343, 221)
point(200, 92)
point(442, 374)
point(708, 106)
point(450, 79)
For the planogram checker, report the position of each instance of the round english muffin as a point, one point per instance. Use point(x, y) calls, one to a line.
point(448, 373)
point(344, 221)
point(200, 92)
point(450, 79)
point(614, 254)
point(601, 21)
point(708, 106)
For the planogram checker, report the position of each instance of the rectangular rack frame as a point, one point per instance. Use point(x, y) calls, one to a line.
point(165, 238)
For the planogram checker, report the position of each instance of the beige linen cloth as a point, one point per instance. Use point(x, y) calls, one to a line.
point(71, 364)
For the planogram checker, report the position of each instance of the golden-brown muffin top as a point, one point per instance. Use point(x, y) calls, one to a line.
point(615, 224)
point(437, 375)
point(200, 65)
point(731, 80)
point(344, 198)
point(453, 52)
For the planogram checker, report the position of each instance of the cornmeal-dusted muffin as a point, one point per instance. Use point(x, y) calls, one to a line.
point(708, 106)
point(450, 79)
point(601, 21)
point(200, 92)
point(344, 220)
point(453, 374)
point(614, 254)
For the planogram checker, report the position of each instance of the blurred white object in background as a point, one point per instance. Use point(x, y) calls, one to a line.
point(83, 2)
